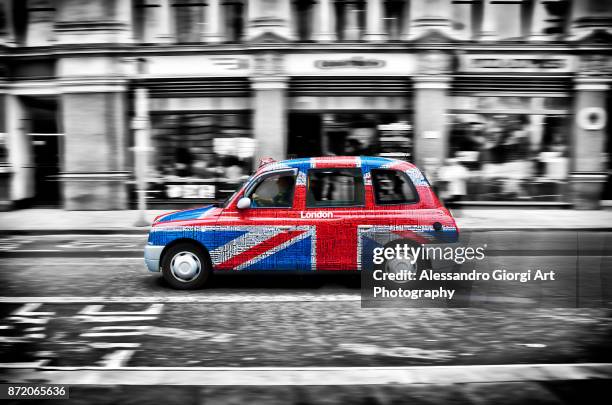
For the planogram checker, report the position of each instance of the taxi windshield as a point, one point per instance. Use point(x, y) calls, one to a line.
point(231, 196)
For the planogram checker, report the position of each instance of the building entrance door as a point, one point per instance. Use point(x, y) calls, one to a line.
point(304, 135)
point(45, 151)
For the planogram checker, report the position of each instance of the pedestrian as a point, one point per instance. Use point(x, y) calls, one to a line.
point(452, 178)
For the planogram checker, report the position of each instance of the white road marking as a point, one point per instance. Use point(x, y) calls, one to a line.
point(112, 334)
point(90, 318)
point(34, 329)
point(189, 334)
point(196, 299)
point(115, 331)
point(29, 310)
point(107, 345)
point(33, 364)
point(117, 358)
point(24, 319)
point(35, 336)
point(34, 250)
point(153, 309)
point(534, 345)
point(297, 376)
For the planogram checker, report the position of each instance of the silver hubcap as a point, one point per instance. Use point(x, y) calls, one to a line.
point(185, 266)
point(398, 266)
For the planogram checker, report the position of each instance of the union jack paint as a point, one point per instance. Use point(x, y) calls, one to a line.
point(303, 237)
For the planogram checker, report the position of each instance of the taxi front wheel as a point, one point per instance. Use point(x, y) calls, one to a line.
point(186, 266)
point(405, 263)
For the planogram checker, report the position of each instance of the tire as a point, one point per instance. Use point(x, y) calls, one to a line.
point(397, 265)
point(186, 266)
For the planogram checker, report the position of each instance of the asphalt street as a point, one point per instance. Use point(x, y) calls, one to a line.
point(70, 302)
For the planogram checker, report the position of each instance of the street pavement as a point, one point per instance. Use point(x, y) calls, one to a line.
point(82, 308)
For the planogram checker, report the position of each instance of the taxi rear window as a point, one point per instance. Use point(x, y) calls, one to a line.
point(393, 187)
point(335, 188)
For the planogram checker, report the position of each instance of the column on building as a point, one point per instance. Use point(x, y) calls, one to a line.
point(41, 16)
point(7, 30)
point(94, 119)
point(269, 107)
point(431, 87)
point(165, 27)
point(269, 17)
point(538, 22)
point(212, 32)
point(326, 21)
point(589, 132)
point(93, 22)
point(549, 20)
point(428, 15)
point(19, 149)
point(123, 11)
point(375, 29)
point(407, 21)
point(488, 29)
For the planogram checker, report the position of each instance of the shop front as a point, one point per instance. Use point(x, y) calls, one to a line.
point(350, 104)
point(510, 120)
point(200, 128)
point(514, 147)
point(351, 133)
point(198, 157)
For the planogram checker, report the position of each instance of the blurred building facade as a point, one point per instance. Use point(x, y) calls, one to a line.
point(517, 91)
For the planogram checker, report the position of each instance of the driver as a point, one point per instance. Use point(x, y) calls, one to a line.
point(283, 197)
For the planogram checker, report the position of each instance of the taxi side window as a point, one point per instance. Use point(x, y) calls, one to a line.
point(274, 191)
point(335, 188)
point(393, 187)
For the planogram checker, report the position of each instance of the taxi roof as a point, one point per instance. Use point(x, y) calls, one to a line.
point(371, 162)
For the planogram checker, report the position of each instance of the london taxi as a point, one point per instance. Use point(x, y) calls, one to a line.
point(308, 214)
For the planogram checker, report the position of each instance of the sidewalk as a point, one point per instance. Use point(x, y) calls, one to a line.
point(55, 220)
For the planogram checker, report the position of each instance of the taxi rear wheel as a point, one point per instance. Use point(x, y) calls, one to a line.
point(404, 264)
point(186, 266)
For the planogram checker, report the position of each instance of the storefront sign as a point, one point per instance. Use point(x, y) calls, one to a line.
point(516, 63)
point(194, 65)
point(199, 191)
point(339, 64)
point(356, 61)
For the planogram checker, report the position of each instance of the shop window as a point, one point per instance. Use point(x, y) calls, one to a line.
point(303, 13)
point(350, 20)
point(200, 156)
point(335, 188)
point(20, 21)
point(512, 155)
point(233, 12)
point(556, 18)
point(189, 20)
point(392, 187)
point(274, 191)
point(394, 19)
point(512, 18)
point(384, 134)
point(466, 18)
point(146, 21)
point(350, 134)
point(33, 22)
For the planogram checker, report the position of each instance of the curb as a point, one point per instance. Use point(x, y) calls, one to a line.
point(335, 376)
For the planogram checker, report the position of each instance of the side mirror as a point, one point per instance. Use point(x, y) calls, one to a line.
point(243, 203)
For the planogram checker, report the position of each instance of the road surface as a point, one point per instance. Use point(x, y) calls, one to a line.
point(73, 307)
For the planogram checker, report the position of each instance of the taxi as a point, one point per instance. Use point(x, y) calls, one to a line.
point(308, 214)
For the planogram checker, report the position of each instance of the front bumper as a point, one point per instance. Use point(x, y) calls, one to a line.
point(152, 254)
